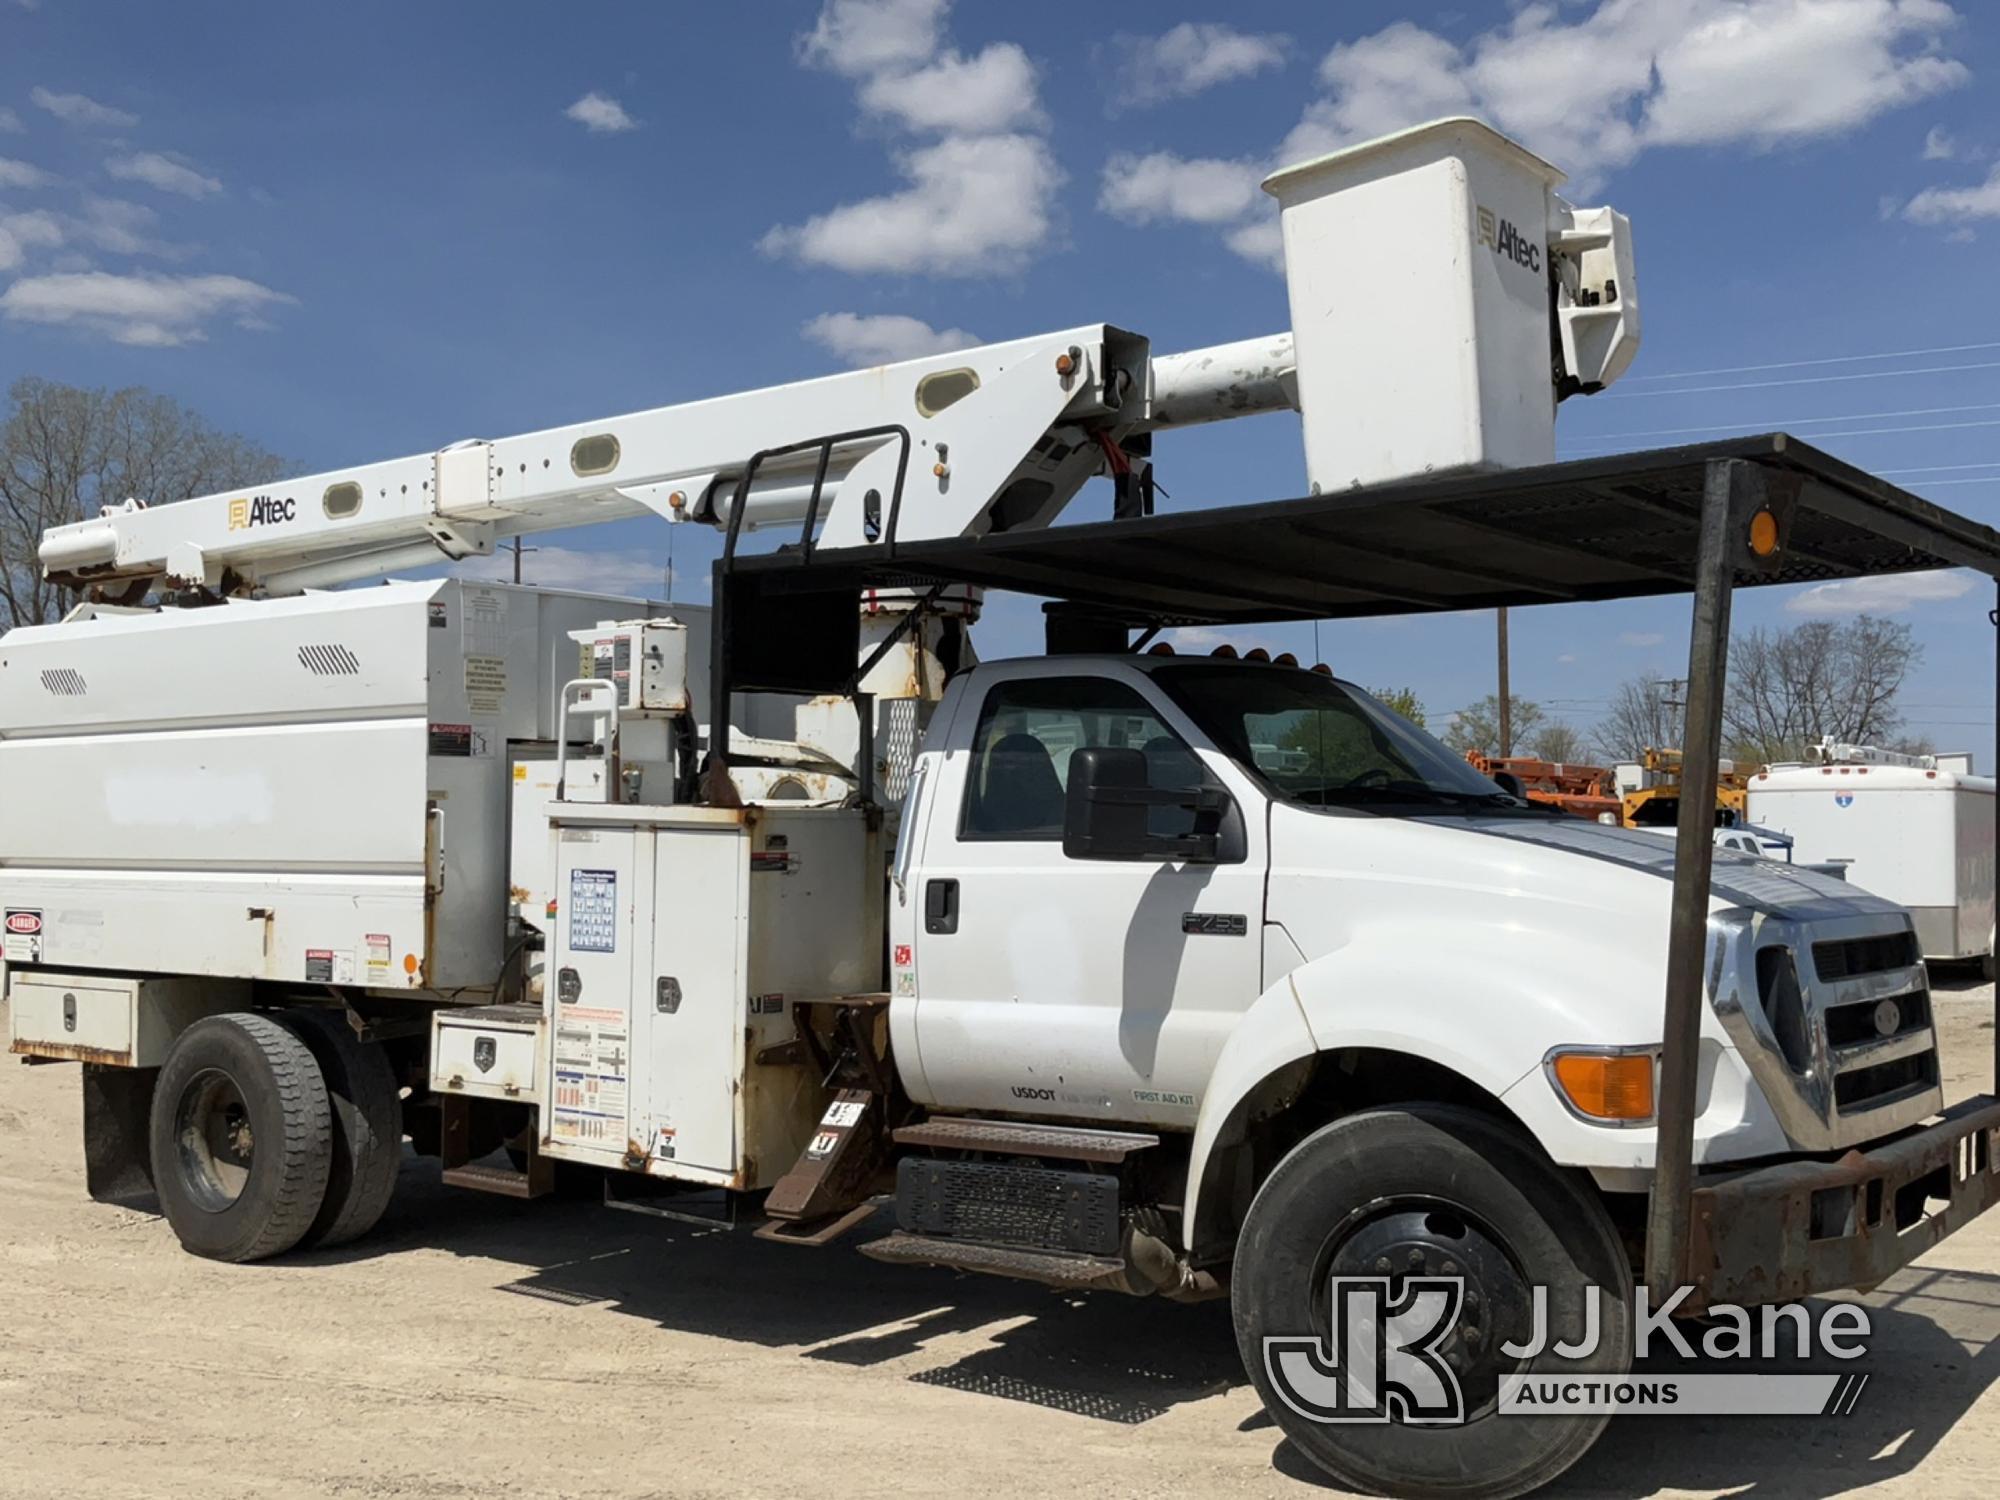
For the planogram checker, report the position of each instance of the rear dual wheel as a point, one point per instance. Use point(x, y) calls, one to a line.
point(273, 1132)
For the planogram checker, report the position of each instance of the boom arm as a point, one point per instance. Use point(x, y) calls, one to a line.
point(1420, 352)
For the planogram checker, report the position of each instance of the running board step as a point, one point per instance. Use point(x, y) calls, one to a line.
point(1080, 1273)
point(1014, 1138)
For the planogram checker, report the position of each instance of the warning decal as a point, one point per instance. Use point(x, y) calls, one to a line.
point(23, 933)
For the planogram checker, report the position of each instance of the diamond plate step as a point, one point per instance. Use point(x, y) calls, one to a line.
point(1075, 1272)
point(1013, 1138)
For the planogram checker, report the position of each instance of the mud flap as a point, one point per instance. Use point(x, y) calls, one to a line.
point(117, 1160)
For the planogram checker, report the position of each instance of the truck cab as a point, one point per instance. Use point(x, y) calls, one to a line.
point(1183, 893)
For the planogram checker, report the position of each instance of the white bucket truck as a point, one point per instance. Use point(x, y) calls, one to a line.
point(1180, 976)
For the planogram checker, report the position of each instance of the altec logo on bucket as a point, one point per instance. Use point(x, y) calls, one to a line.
point(1504, 240)
point(1394, 1352)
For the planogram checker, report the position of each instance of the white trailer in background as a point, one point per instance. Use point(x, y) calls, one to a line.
point(1911, 828)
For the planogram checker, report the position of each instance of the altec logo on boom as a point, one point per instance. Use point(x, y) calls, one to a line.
point(261, 510)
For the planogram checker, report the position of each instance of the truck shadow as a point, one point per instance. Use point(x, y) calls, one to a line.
point(1118, 1359)
point(1934, 1351)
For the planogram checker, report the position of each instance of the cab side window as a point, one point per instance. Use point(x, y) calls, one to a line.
point(1029, 729)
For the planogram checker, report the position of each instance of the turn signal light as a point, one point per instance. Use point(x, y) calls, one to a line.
point(1607, 1085)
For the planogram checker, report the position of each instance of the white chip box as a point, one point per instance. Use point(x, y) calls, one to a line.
point(488, 1052)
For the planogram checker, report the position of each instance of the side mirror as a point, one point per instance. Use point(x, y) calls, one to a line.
point(1511, 784)
point(1106, 806)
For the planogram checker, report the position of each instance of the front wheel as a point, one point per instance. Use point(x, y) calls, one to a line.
point(1381, 1267)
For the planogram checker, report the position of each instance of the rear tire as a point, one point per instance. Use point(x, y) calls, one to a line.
point(241, 1138)
point(1441, 1191)
point(367, 1108)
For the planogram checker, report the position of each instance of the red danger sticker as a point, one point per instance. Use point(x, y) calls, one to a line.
point(24, 923)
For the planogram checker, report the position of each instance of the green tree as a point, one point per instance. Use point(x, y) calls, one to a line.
point(1477, 726)
point(1404, 701)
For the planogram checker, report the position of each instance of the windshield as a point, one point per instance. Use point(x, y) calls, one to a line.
point(1323, 743)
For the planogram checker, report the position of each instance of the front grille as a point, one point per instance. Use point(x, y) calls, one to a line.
point(1850, 957)
point(1848, 1024)
point(1871, 1087)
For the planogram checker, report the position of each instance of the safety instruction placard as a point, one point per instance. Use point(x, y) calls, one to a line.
point(593, 911)
point(592, 1077)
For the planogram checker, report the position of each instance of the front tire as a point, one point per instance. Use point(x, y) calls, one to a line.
point(1439, 1191)
point(241, 1138)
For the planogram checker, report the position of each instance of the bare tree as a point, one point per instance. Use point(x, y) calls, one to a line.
point(1477, 726)
point(1790, 688)
point(65, 451)
point(1558, 741)
point(1646, 713)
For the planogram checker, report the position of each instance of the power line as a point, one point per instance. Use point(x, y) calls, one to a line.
point(1786, 422)
point(1940, 468)
point(1799, 364)
point(1872, 431)
point(1759, 385)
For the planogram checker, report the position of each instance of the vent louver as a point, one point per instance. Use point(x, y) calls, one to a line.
point(64, 682)
point(329, 661)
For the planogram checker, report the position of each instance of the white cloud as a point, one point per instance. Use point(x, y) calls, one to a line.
point(120, 227)
point(1939, 145)
point(1641, 638)
point(138, 309)
point(1147, 189)
point(20, 233)
point(976, 206)
point(10, 123)
point(1889, 595)
point(863, 339)
point(857, 38)
point(600, 114)
point(1592, 88)
point(78, 109)
point(976, 95)
point(163, 172)
point(1956, 205)
point(21, 174)
point(979, 200)
point(640, 574)
point(1192, 57)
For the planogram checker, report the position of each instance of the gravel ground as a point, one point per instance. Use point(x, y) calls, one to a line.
point(477, 1346)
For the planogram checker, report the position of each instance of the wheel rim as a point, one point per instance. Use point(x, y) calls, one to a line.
point(1402, 1237)
point(217, 1145)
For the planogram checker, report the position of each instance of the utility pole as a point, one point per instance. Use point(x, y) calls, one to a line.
point(517, 549)
point(1506, 698)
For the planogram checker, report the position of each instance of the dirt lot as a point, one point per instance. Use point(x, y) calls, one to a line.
point(477, 1346)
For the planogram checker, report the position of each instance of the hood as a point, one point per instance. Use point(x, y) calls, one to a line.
point(1738, 880)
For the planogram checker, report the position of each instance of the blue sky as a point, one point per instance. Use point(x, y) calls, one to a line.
point(359, 231)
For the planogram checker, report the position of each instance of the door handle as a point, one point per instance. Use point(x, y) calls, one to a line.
point(940, 906)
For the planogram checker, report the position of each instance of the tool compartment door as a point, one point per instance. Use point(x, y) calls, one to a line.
point(690, 1012)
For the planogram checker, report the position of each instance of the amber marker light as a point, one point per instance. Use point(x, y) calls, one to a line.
point(1615, 1087)
point(1763, 533)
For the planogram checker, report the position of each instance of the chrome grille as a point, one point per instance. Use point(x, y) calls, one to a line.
point(1833, 1017)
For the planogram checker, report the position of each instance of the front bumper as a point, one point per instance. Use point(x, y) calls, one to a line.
point(1779, 1233)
